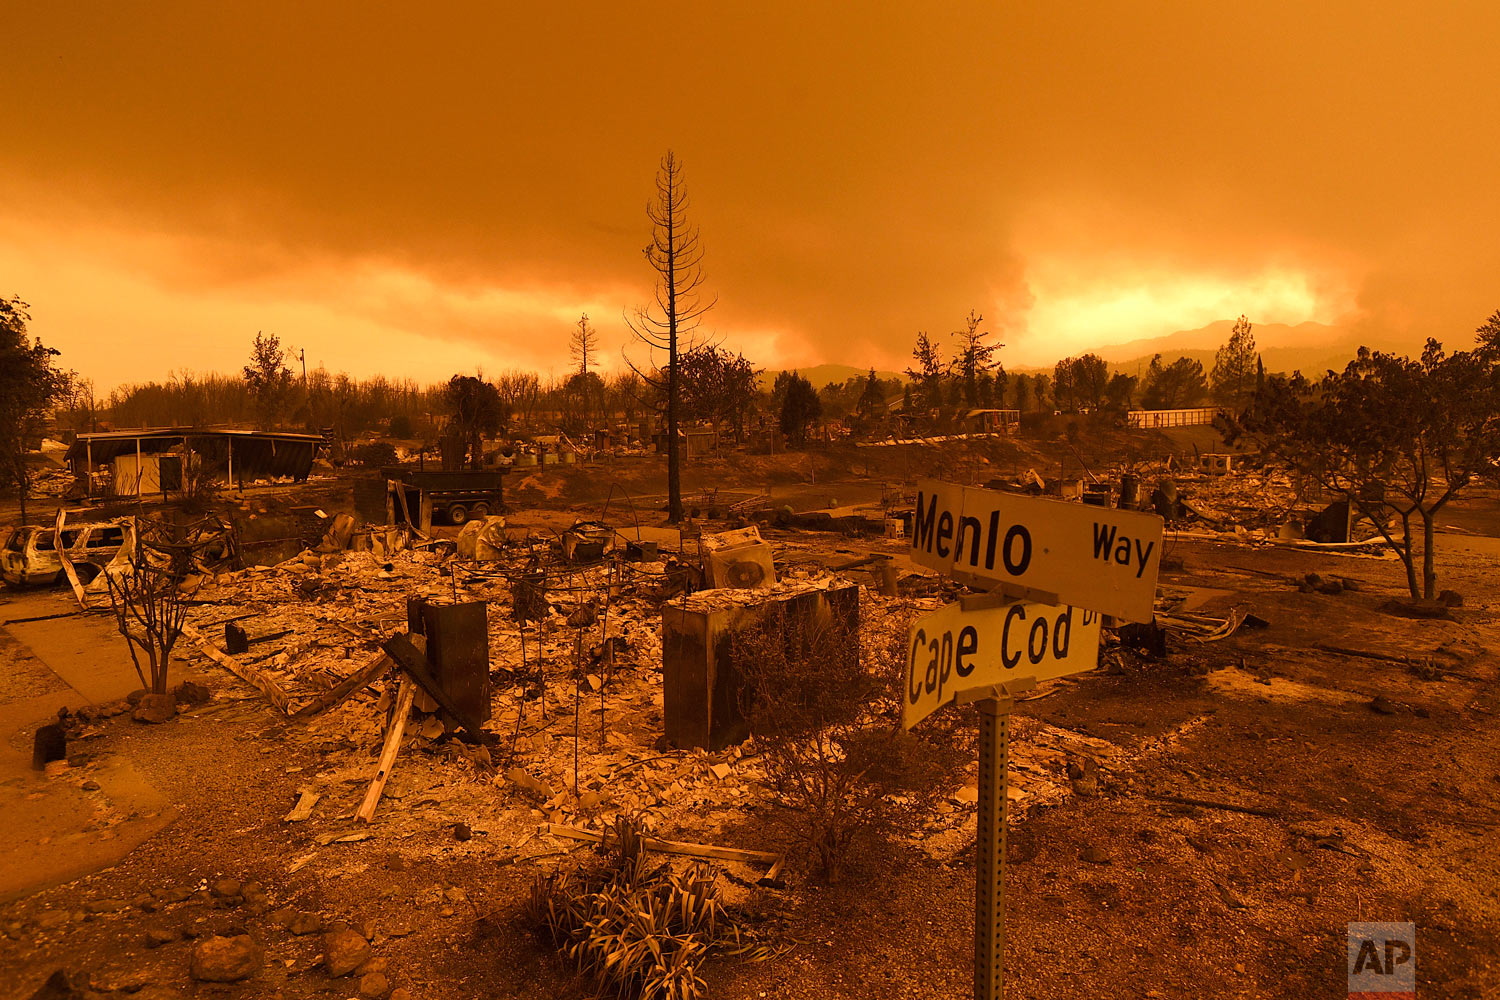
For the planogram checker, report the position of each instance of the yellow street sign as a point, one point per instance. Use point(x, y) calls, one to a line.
point(1091, 557)
point(953, 650)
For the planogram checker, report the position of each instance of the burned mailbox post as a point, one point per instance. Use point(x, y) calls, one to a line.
point(701, 679)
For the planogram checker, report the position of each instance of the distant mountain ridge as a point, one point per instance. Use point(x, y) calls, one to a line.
point(821, 375)
point(1310, 348)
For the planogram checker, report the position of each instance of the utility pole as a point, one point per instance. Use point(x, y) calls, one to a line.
point(302, 356)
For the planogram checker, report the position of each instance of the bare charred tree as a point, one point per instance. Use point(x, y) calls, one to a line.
point(584, 345)
point(668, 325)
point(148, 605)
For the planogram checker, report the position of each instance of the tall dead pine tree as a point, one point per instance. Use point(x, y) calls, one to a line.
point(667, 325)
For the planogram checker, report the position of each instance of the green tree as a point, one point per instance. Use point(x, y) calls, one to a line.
point(718, 386)
point(1173, 386)
point(985, 384)
point(928, 373)
point(675, 253)
point(871, 405)
point(1234, 372)
point(29, 383)
point(974, 357)
point(1022, 391)
point(1042, 390)
point(1090, 377)
point(800, 407)
point(475, 409)
point(1120, 391)
point(1488, 337)
point(1064, 393)
point(268, 378)
point(1397, 438)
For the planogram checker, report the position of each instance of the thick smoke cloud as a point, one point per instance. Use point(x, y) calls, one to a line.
point(452, 187)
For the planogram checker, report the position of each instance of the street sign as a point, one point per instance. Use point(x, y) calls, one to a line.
point(1091, 557)
point(953, 650)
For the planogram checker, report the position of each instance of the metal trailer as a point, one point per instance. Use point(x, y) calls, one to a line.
point(456, 496)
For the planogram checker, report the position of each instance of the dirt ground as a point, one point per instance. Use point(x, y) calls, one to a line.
point(1342, 788)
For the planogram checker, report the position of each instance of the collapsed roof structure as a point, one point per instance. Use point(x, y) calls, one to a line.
point(135, 457)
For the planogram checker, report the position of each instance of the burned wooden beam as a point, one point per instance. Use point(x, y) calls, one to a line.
point(414, 664)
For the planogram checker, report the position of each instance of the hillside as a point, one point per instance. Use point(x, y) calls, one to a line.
point(1310, 348)
point(821, 375)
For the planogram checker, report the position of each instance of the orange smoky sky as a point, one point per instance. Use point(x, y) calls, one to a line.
point(422, 189)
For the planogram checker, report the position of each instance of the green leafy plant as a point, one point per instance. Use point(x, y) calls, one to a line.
point(636, 930)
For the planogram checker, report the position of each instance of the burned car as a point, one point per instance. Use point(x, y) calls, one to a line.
point(30, 552)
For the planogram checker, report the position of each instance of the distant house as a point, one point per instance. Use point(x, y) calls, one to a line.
point(989, 421)
point(694, 442)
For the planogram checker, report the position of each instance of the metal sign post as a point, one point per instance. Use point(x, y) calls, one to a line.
point(1071, 563)
point(989, 850)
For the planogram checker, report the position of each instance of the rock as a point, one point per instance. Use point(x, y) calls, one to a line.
point(378, 964)
point(1350, 585)
point(1232, 899)
point(158, 936)
point(155, 709)
point(283, 917)
point(344, 951)
point(105, 905)
point(305, 923)
point(1405, 607)
point(121, 980)
point(968, 794)
point(90, 786)
point(461, 831)
point(401, 993)
point(1086, 788)
point(189, 693)
point(226, 888)
point(226, 959)
point(134, 698)
point(1330, 587)
point(374, 986)
point(58, 987)
point(1450, 598)
point(1095, 856)
point(364, 927)
point(52, 919)
point(1380, 703)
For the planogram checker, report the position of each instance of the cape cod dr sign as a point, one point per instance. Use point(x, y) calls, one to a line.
point(1092, 557)
point(953, 650)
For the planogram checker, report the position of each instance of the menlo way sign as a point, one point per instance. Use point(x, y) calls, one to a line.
point(1092, 557)
point(1075, 563)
